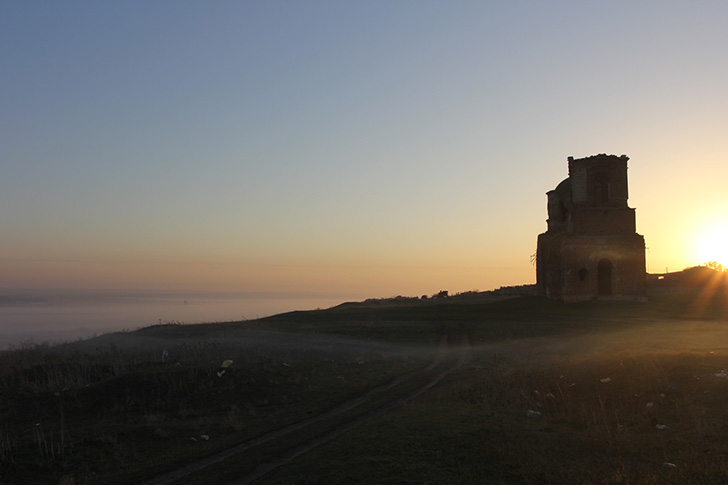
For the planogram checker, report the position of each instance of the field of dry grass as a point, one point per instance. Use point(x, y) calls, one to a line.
point(546, 411)
point(589, 393)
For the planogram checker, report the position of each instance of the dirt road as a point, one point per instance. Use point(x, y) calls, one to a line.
point(448, 357)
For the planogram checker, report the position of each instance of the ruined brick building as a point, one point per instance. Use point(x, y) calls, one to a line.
point(591, 248)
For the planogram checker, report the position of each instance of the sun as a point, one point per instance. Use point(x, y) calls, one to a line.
point(712, 243)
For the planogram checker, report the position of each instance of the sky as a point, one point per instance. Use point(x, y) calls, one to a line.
point(374, 148)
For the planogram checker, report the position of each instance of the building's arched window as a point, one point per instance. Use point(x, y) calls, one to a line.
point(601, 188)
point(583, 273)
point(564, 212)
point(604, 277)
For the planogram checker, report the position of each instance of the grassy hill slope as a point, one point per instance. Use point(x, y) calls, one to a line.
point(599, 377)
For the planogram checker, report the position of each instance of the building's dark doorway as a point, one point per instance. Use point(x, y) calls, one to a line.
point(604, 277)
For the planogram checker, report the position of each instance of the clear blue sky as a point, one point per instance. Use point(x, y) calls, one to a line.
point(364, 148)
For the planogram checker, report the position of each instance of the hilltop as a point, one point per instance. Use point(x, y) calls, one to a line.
point(477, 387)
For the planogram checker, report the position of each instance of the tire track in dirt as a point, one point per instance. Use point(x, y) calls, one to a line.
point(296, 451)
point(307, 446)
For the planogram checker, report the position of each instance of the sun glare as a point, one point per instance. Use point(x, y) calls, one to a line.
point(712, 244)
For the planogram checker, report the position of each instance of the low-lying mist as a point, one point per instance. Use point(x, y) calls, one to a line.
point(66, 315)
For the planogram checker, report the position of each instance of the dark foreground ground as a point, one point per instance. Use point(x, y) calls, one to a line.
point(454, 390)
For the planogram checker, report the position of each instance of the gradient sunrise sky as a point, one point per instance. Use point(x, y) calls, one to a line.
point(368, 148)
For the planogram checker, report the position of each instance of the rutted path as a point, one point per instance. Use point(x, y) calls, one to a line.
point(443, 355)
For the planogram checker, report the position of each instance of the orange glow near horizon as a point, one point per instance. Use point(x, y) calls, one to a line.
point(711, 244)
point(713, 293)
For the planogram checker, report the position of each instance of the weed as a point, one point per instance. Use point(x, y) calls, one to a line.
point(599, 380)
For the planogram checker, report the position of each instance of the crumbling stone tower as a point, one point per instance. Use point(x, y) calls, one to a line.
point(591, 248)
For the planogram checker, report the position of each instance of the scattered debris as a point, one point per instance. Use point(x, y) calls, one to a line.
point(361, 362)
point(204, 437)
point(669, 465)
point(193, 439)
point(165, 355)
point(550, 396)
point(225, 364)
point(285, 364)
point(606, 380)
point(722, 374)
point(670, 388)
point(388, 372)
point(533, 414)
point(661, 427)
point(650, 404)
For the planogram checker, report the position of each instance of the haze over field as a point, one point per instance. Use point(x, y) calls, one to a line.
point(360, 148)
point(38, 315)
